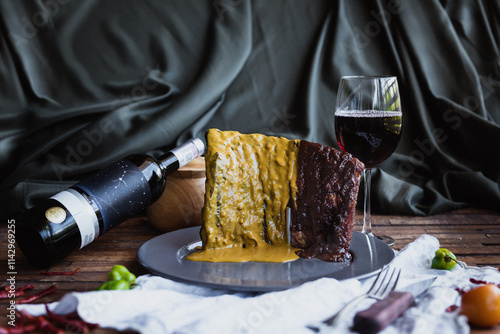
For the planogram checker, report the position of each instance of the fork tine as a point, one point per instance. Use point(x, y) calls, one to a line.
point(378, 278)
point(396, 280)
point(391, 284)
point(381, 283)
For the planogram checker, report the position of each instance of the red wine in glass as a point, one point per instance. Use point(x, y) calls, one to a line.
point(369, 135)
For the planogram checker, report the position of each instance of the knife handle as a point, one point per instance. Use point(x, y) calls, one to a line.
point(382, 313)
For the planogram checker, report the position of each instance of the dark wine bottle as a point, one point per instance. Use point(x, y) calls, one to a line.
point(75, 217)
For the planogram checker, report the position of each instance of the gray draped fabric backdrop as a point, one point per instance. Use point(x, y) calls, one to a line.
point(85, 83)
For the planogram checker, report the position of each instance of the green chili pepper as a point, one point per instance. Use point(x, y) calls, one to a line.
point(119, 278)
point(120, 272)
point(115, 285)
point(444, 259)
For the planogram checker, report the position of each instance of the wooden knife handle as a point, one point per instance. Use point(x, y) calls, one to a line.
point(382, 313)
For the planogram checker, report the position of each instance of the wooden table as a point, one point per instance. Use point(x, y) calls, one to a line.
point(473, 235)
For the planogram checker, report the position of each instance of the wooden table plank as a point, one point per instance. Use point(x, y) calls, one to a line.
point(473, 235)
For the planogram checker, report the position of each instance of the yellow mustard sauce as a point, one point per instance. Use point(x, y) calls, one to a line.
point(249, 181)
point(264, 253)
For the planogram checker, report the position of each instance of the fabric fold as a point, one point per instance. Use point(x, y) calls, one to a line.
point(85, 84)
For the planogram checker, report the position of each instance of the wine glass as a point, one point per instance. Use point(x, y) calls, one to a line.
point(368, 121)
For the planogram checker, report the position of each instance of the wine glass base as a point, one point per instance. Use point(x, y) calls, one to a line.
point(386, 239)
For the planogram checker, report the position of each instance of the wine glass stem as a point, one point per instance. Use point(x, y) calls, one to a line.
point(367, 215)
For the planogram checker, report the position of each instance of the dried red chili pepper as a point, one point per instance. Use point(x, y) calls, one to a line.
point(7, 293)
point(46, 326)
point(26, 287)
point(39, 295)
point(451, 308)
point(61, 273)
point(26, 317)
point(71, 322)
point(476, 281)
point(51, 323)
point(18, 329)
point(26, 324)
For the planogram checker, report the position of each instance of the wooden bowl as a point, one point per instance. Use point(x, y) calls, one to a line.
point(182, 200)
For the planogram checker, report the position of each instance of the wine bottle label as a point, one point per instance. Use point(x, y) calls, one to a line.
point(188, 151)
point(120, 191)
point(82, 213)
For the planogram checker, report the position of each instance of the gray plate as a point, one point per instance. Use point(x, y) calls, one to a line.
point(165, 255)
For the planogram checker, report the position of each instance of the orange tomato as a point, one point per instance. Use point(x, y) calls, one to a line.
point(481, 305)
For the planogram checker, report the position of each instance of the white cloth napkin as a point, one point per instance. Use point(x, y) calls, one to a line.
point(158, 305)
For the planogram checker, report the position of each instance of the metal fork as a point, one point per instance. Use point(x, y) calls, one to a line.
point(384, 284)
